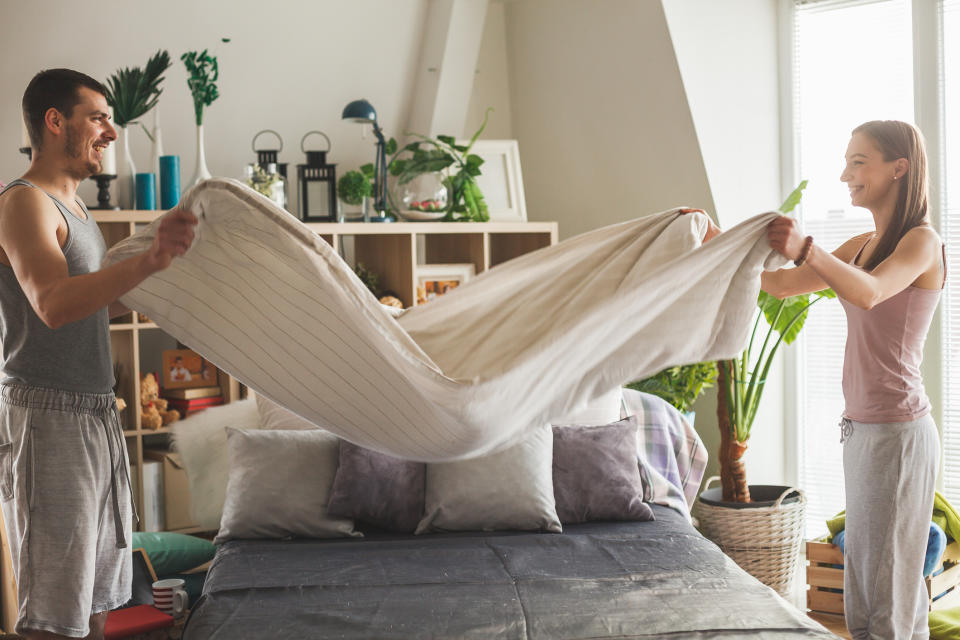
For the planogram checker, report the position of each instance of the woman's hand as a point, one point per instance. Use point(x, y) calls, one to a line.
point(785, 238)
point(712, 230)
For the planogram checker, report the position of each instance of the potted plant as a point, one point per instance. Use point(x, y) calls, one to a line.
point(204, 72)
point(446, 173)
point(759, 526)
point(680, 385)
point(132, 92)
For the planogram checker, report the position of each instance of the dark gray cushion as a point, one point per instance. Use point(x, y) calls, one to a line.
point(378, 489)
point(595, 473)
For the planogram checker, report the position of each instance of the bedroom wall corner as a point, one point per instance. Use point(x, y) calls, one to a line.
point(598, 107)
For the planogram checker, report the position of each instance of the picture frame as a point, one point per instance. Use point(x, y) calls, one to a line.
point(436, 279)
point(186, 369)
point(501, 179)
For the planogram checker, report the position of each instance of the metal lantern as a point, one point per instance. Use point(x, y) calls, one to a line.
point(266, 156)
point(317, 182)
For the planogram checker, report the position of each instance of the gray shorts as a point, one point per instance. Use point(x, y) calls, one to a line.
point(67, 507)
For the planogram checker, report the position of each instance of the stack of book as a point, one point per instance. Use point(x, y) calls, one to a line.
point(194, 399)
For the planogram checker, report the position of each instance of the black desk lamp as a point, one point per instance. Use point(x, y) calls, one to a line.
point(363, 112)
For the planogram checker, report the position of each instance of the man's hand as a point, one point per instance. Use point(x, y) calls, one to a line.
point(174, 237)
point(712, 230)
point(784, 237)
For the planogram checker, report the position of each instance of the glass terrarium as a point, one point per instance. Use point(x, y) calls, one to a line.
point(424, 197)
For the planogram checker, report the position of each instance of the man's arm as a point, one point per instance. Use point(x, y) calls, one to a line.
point(28, 237)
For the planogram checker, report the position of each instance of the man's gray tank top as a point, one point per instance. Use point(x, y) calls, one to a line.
point(75, 357)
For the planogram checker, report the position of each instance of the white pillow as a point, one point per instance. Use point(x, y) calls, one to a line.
point(279, 485)
point(600, 411)
point(201, 439)
point(273, 416)
point(510, 489)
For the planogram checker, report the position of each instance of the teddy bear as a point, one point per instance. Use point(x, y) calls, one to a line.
point(153, 408)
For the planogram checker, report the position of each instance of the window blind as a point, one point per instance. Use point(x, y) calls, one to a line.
point(853, 62)
point(950, 231)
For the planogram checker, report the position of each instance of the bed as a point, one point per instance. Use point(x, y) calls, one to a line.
point(596, 580)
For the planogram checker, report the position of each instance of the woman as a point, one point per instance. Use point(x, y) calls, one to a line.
point(889, 282)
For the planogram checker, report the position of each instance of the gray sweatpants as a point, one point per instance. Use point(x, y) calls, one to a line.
point(890, 473)
point(65, 493)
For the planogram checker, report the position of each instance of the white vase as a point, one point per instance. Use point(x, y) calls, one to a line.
point(202, 172)
point(157, 151)
point(126, 174)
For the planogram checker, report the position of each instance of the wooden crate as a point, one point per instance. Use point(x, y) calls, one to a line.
point(825, 578)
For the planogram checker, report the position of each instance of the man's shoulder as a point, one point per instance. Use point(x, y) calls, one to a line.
point(24, 203)
point(22, 199)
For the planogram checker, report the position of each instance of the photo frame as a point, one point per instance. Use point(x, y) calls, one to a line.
point(437, 279)
point(186, 369)
point(501, 179)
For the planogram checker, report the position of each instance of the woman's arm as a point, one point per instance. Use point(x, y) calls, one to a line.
point(783, 283)
point(915, 254)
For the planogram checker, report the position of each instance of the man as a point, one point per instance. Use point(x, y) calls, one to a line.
point(64, 477)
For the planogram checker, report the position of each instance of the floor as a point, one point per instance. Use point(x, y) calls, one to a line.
point(798, 598)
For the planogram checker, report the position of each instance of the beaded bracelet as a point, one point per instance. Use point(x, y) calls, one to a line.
point(807, 243)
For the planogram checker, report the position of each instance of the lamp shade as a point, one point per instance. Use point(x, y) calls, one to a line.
point(360, 111)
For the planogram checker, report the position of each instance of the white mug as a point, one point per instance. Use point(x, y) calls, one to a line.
point(170, 596)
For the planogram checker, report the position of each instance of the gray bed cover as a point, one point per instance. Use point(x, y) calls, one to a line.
point(658, 579)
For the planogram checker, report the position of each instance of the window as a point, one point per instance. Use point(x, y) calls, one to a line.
point(853, 62)
point(950, 231)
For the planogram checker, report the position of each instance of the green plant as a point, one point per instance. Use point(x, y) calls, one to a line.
point(355, 185)
point(262, 182)
point(680, 385)
point(204, 72)
point(742, 379)
point(368, 277)
point(428, 155)
point(134, 91)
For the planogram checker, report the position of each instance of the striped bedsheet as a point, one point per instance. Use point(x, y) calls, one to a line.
point(265, 299)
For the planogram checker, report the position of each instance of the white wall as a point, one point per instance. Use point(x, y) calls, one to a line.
point(727, 54)
point(599, 110)
point(292, 65)
point(491, 82)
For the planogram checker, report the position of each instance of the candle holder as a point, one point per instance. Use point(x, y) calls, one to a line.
point(27, 151)
point(103, 192)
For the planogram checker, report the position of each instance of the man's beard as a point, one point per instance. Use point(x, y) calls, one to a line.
point(73, 150)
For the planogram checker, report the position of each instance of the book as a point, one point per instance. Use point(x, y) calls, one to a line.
point(191, 393)
point(123, 623)
point(186, 407)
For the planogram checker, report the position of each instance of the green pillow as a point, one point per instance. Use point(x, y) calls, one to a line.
point(173, 552)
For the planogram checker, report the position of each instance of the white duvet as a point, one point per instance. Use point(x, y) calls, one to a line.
point(265, 299)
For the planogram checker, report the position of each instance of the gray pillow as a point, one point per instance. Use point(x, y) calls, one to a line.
point(381, 490)
point(510, 489)
point(596, 475)
point(278, 485)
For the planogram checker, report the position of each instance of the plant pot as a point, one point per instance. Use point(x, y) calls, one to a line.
point(202, 172)
point(764, 537)
point(126, 173)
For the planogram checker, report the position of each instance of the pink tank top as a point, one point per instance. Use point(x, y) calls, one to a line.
point(881, 365)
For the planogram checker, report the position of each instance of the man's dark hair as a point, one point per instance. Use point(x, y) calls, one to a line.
point(57, 88)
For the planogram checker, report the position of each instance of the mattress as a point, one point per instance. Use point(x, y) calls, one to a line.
point(657, 579)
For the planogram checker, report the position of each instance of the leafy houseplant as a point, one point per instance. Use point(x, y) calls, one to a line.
point(681, 385)
point(465, 201)
point(204, 73)
point(132, 92)
point(357, 184)
point(742, 379)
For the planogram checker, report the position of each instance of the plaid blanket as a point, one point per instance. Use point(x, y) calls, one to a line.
point(671, 455)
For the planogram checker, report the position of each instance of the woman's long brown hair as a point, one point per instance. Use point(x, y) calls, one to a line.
point(896, 140)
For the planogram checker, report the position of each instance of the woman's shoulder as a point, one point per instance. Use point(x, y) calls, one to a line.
point(924, 233)
point(849, 249)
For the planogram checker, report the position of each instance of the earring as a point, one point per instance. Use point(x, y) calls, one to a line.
point(894, 177)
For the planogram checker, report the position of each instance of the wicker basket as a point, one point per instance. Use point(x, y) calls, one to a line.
point(764, 541)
